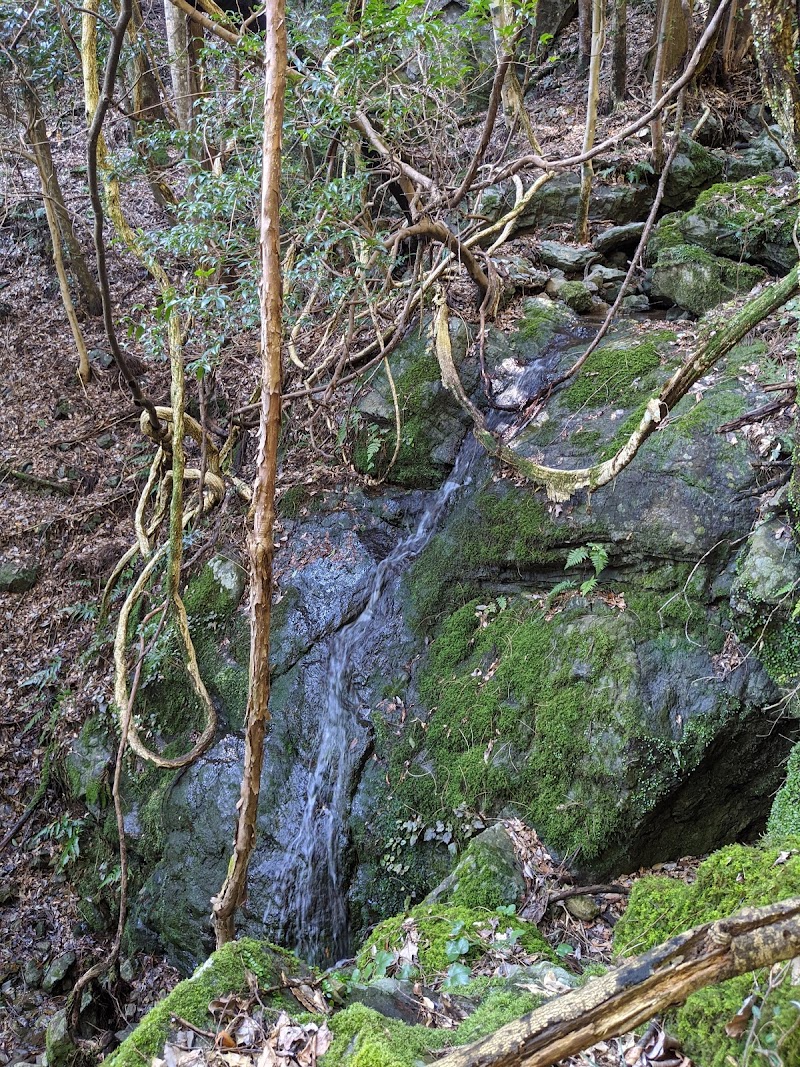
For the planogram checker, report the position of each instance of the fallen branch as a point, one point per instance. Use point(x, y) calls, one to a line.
point(756, 415)
point(586, 891)
point(643, 987)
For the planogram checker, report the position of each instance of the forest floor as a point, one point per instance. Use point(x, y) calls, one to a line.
point(72, 463)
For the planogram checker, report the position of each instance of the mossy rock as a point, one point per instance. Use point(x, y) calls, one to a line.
point(697, 281)
point(784, 819)
point(577, 297)
point(734, 877)
point(226, 971)
point(750, 220)
point(488, 875)
point(435, 928)
point(432, 423)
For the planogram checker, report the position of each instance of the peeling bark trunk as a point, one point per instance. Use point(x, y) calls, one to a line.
point(234, 888)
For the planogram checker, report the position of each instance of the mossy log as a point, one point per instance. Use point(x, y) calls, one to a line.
point(642, 988)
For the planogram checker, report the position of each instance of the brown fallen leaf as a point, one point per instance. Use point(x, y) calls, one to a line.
point(737, 1026)
point(311, 999)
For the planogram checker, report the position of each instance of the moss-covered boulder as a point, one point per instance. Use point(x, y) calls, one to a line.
point(763, 596)
point(728, 880)
point(577, 297)
point(784, 819)
point(698, 281)
point(488, 874)
point(693, 169)
point(227, 971)
point(749, 220)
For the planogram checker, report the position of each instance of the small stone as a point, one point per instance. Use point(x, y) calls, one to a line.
point(101, 358)
point(127, 971)
point(32, 974)
point(582, 907)
point(636, 303)
point(17, 578)
point(105, 440)
point(8, 893)
point(58, 971)
point(59, 1045)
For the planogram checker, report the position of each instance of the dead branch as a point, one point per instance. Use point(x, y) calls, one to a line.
point(361, 123)
point(208, 24)
point(437, 231)
point(486, 134)
point(641, 988)
point(756, 415)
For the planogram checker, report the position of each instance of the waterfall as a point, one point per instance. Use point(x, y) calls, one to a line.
point(313, 895)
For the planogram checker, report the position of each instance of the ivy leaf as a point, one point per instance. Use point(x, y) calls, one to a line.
point(454, 949)
point(457, 975)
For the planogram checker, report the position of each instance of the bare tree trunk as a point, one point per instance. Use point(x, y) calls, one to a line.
point(234, 887)
point(640, 989)
point(670, 35)
point(584, 34)
point(593, 95)
point(619, 56)
point(145, 96)
point(180, 67)
point(36, 136)
point(504, 19)
point(774, 29)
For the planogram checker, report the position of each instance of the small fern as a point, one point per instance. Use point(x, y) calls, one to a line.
point(596, 554)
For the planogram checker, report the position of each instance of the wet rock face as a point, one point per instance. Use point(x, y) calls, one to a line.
point(622, 722)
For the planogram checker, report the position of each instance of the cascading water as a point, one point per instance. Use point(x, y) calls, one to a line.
point(313, 896)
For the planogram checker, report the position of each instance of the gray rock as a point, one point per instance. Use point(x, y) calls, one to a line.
point(521, 273)
point(552, 16)
point(57, 971)
point(488, 875)
point(87, 762)
point(230, 577)
point(32, 974)
point(618, 237)
point(556, 203)
point(582, 907)
point(764, 153)
point(569, 258)
point(694, 169)
point(636, 303)
point(61, 1050)
point(768, 571)
point(577, 296)
point(17, 577)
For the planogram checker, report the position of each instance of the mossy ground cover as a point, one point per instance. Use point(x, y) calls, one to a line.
point(618, 373)
point(728, 880)
point(435, 928)
point(225, 972)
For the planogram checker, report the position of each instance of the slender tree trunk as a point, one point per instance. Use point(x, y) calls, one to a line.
point(774, 29)
point(504, 19)
point(36, 135)
point(180, 68)
point(584, 35)
point(234, 887)
point(593, 95)
point(144, 92)
point(619, 56)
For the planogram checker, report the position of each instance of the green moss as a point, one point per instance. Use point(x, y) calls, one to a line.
point(539, 321)
point(756, 207)
point(577, 297)
point(364, 1038)
point(511, 720)
point(728, 880)
point(667, 234)
point(617, 374)
point(500, 527)
point(784, 819)
point(293, 500)
point(438, 924)
point(502, 1006)
point(698, 281)
point(780, 652)
point(225, 972)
